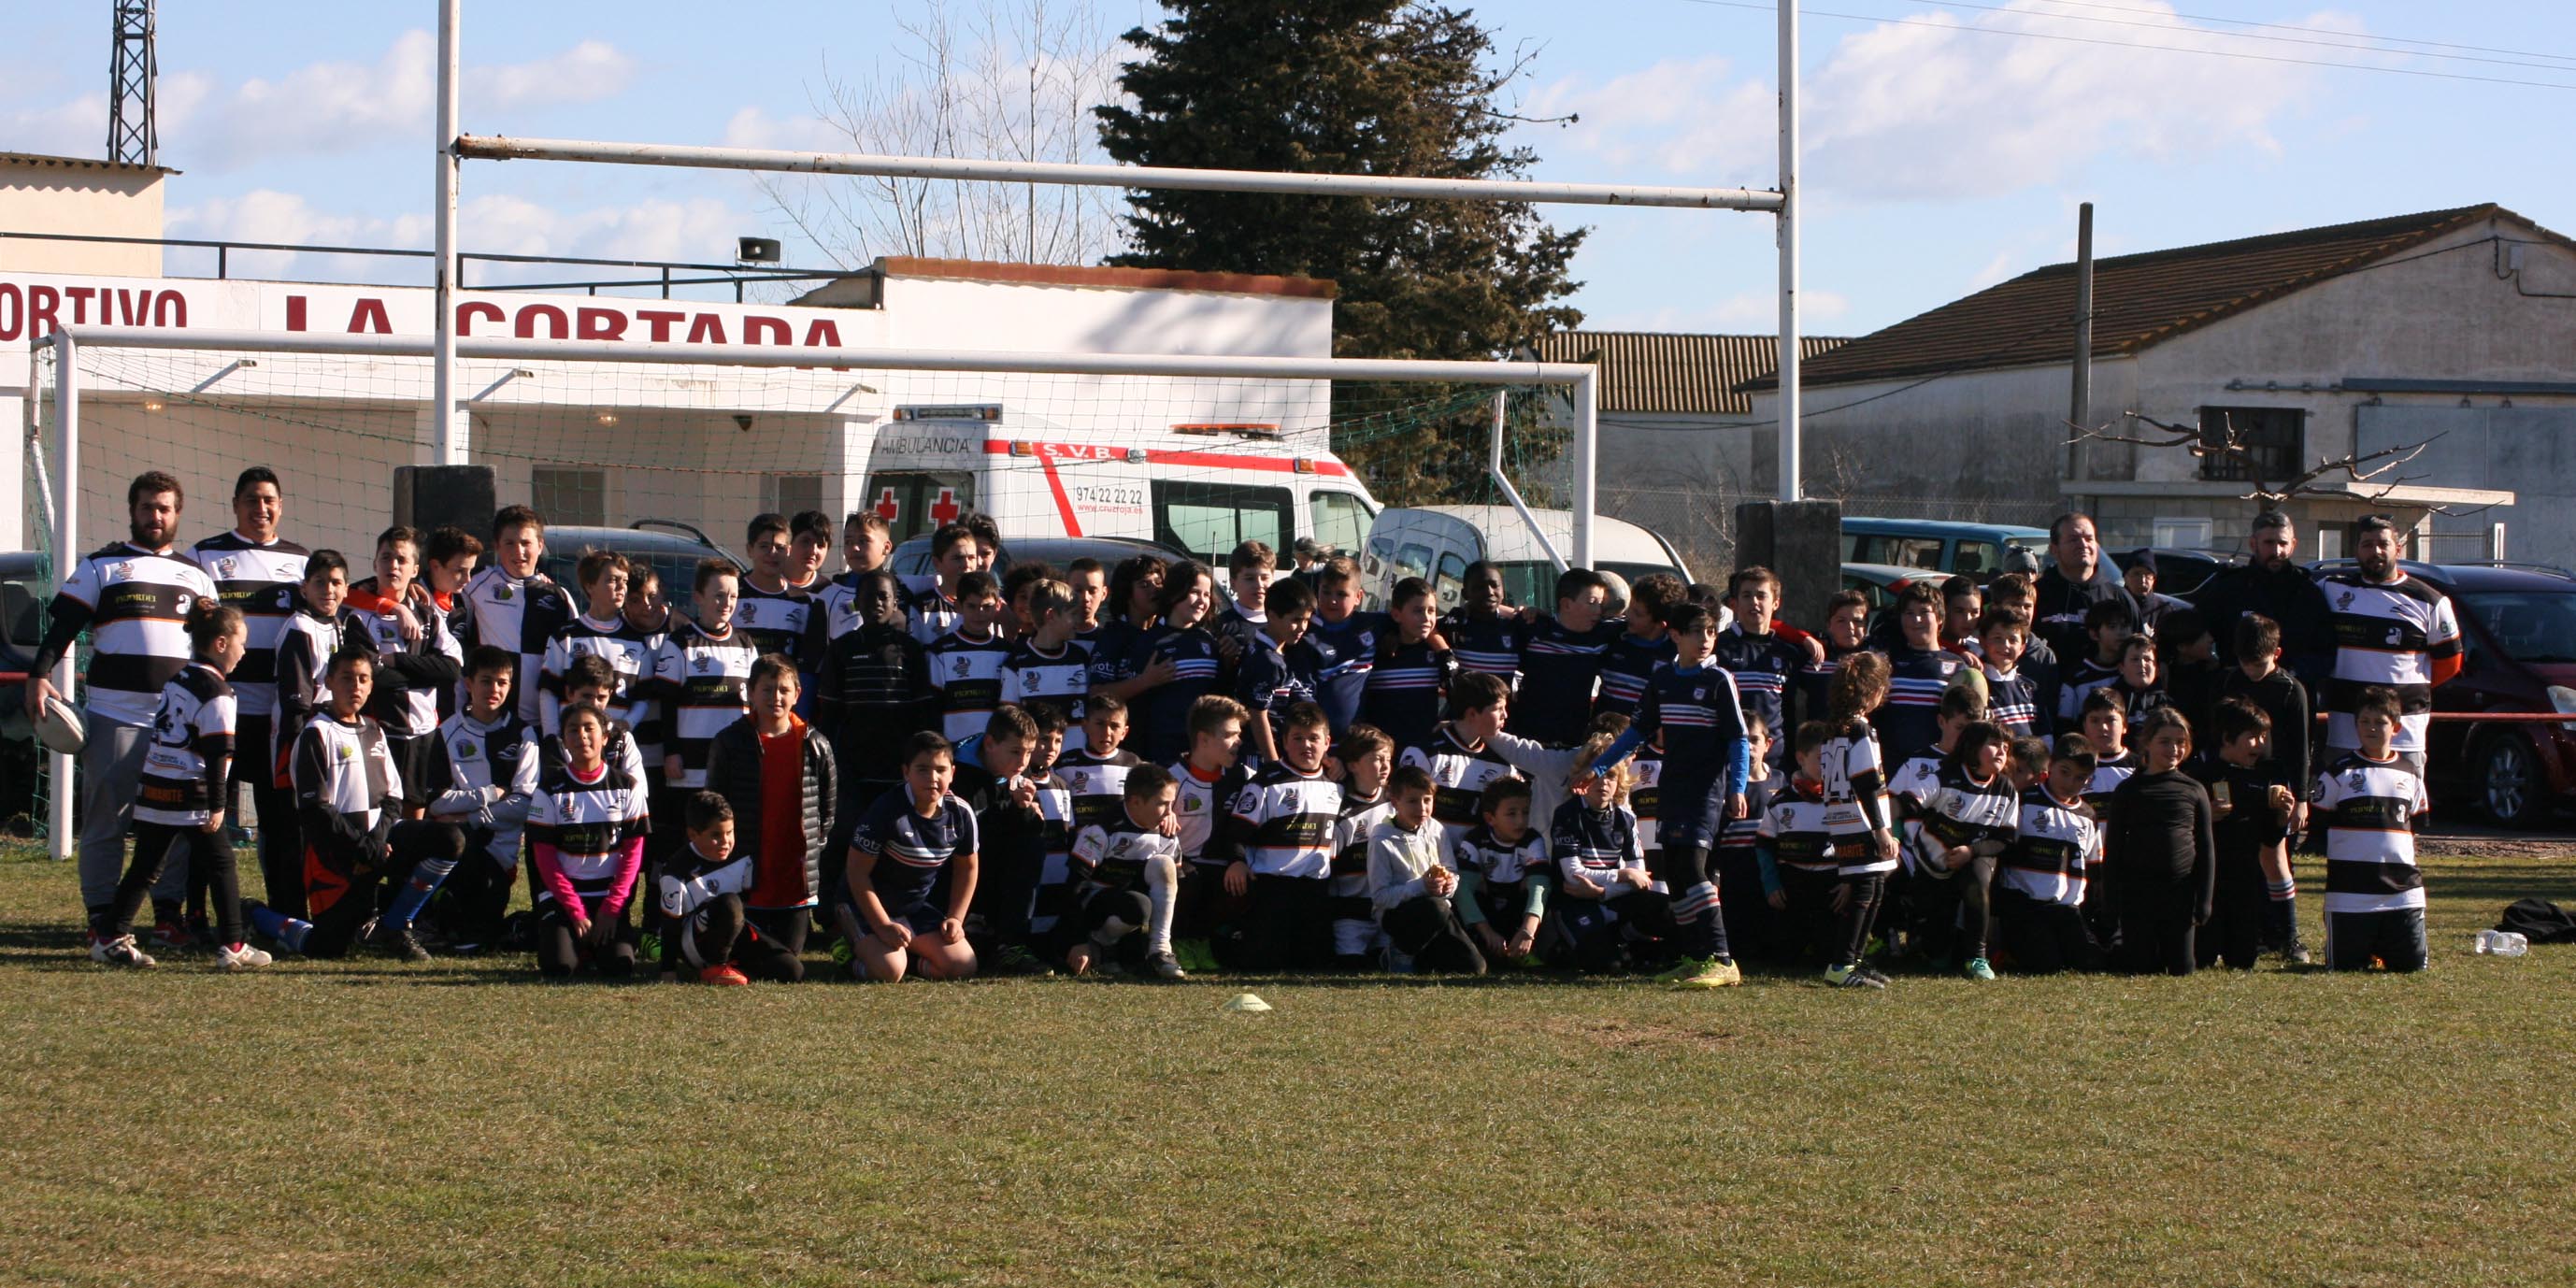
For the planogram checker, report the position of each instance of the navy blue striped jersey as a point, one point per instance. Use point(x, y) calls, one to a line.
point(1160, 716)
point(2055, 846)
point(1738, 836)
point(2078, 683)
point(1626, 665)
point(1405, 691)
point(1700, 717)
point(911, 851)
point(1559, 671)
point(1272, 679)
point(2012, 701)
point(1488, 646)
point(1765, 667)
point(1911, 720)
point(1591, 845)
point(1285, 821)
point(928, 609)
point(1345, 654)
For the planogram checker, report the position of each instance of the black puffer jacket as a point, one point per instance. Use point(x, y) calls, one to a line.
point(733, 772)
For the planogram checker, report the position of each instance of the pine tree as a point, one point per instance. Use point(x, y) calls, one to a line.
point(1350, 87)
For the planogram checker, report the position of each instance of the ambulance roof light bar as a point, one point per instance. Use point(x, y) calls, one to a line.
point(990, 413)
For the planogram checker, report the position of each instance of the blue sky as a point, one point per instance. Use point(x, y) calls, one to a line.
point(1948, 143)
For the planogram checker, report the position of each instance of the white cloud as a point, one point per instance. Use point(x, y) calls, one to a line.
point(336, 107)
point(1939, 108)
point(754, 127)
point(77, 128)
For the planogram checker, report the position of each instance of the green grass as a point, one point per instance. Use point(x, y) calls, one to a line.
point(365, 1123)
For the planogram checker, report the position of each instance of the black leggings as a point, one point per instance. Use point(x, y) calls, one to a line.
point(1426, 928)
point(1286, 924)
point(1866, 890)
point(720, 931)
point(2156, 926)
point(1957, 910)
point(209, 856)
point(2043, 938)
point(560, 952)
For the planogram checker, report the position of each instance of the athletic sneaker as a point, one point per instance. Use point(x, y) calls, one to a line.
point(240, 957)
point(1852, 977)
point(2297, 954)
point(725, 973)
point(1978, 969)
point(1166, 965)
point(1713, 972)
point(172, 937)
point(119, 951)
point(1012, 959)
point(1683, 967)
point(1195, 954)
point(397, 941)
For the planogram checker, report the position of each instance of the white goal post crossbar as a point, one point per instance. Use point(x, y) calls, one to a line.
point(1580, 379)
point(453, 146)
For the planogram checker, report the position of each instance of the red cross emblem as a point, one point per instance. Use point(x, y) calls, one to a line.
point(945, 509)
point(887, 508)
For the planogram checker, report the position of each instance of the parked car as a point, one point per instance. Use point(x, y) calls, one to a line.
point(2518, 631)
point(1437, 542)
point(1938, 545)
point(24, 588)
point(667, 546)
point(1879, 583)
point(912, 558)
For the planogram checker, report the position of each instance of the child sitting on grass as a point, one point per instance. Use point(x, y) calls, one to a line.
point(701, 899)
point(915, 841)
point(1503, 876)
point(1129, 871)
point(1411, 882)
point(586, 828)
point(1603, 887)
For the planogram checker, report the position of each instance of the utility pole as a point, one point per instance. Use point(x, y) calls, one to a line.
point(131, 69)
point(2079, 407)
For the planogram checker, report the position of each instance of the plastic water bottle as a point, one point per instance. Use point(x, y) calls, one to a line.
point(2502, 943)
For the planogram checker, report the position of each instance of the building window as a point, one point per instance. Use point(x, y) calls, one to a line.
point(793, 494)
point(569, 496)
point(2270, 436)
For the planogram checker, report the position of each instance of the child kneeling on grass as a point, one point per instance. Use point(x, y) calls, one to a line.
point(1129, 873)
point(1604, 889)
point(2164, 860)
point(586, 828)
point(701, 899)
point(915, 843)
point(1411, 881)
point(2366, 805)
point(1503, 876)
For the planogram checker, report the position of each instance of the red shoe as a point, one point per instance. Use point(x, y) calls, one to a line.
point(725, 973)
point(173, 936)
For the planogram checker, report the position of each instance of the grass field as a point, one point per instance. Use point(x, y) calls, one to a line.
point(371, 1124)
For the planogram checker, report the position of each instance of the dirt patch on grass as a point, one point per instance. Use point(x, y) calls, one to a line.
point(1636, 1035)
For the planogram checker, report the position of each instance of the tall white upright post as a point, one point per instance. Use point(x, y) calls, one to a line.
point(58, 809)
point(448, 431)
point(1587, 450)
point(1788, 215)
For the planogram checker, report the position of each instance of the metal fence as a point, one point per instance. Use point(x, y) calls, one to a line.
point(1700, 521)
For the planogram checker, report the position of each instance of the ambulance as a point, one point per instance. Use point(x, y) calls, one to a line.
point(1199, 487)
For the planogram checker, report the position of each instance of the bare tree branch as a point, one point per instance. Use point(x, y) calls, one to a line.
point(2363, 470)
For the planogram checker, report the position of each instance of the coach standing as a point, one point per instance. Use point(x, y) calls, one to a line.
point(2391, 631)
point(133, 598)
point(2070, 589)
point(2274, 585)
point(261, 575)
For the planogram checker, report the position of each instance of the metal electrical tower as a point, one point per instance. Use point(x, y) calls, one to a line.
point(131, 69)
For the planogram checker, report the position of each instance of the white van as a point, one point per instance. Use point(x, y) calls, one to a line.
point(1200, 488)
point(1437, 542)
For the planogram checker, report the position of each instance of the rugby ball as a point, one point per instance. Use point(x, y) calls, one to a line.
point(1973, 677)
point(62, 727)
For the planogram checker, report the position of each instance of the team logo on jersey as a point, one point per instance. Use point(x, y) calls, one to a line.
point(2343, 599)
point(467, 748)
point(2396, 635)
point(704, 666)
point(503, 593)
point(184, 602)
point(226, 567)
point(959, 670)
point(1289, 800)
point(1192, 805)
point(348, 752)
point(119, 571)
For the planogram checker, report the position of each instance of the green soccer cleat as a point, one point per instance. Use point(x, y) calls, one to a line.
point(1978, 970)
point(1714, 972)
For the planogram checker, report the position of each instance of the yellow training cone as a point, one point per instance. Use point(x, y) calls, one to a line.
point(1246, 1002)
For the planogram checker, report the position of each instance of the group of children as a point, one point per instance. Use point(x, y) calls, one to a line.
point(1095, 770)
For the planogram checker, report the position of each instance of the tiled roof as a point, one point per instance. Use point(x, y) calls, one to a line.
point(1090, 275)
point(1690, 374)
point(2138, 300)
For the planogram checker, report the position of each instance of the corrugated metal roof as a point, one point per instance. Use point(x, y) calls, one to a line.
point(1643, 371)
point(2138, 300)
point(43, 161)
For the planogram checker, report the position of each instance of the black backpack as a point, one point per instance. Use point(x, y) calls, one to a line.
point(2539, 921)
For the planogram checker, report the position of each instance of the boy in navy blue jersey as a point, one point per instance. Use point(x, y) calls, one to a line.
point(2108, 623)
point(1642, 645)
point(1345, 642)
point(1487, 635)
point(1846, 632)
point(1561, 661)
point(1766, 664)
point(1606, 896)
point(1278, 670)
point(1412, 672)
point(1247, 578)
point(1707, 760)
point(2140, 685)
point(911, 845)
point(1919, 669)
point(1741, 895)
point(2012, 696)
